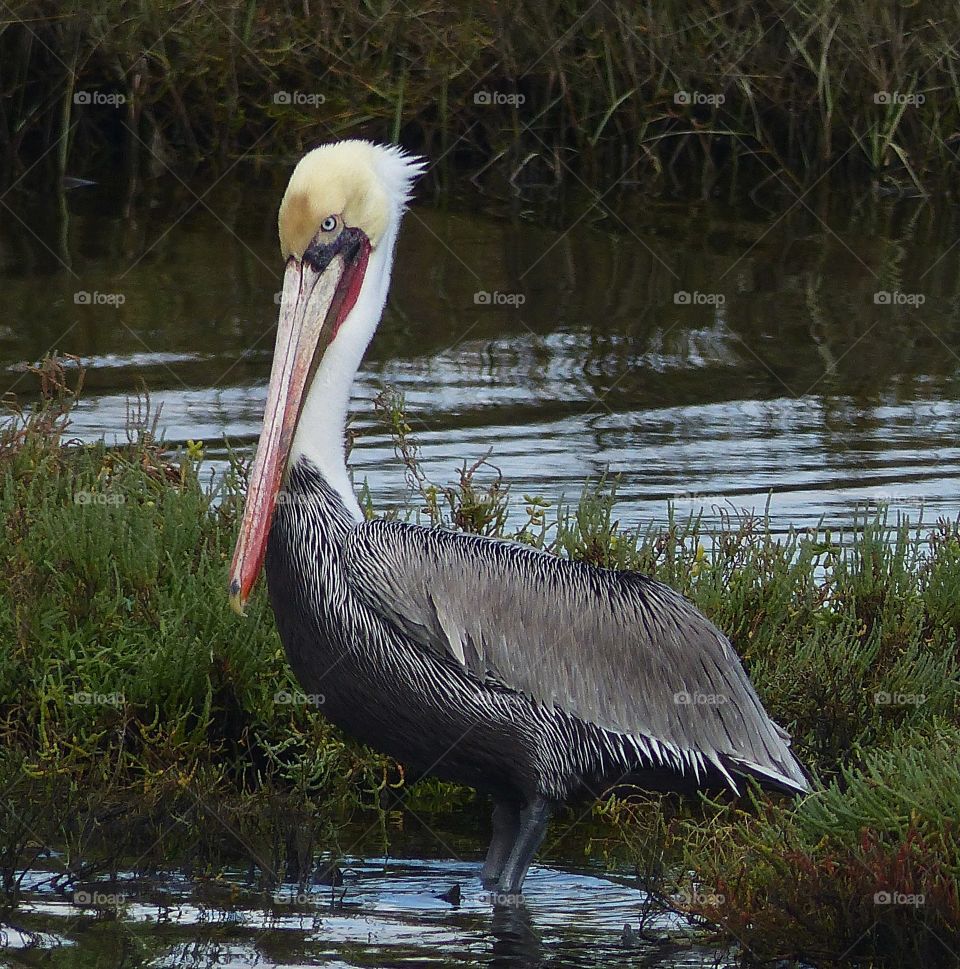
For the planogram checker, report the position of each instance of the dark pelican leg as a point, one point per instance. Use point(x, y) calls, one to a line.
point(506, 827)
point(533, 826)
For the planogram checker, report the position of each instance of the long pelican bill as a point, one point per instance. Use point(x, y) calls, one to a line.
point(318, 293)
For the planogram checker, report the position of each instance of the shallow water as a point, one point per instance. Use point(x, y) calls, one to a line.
point(782, 378)
point(386, 912)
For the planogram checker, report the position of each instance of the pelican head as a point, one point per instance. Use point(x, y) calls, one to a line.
point(338, 223)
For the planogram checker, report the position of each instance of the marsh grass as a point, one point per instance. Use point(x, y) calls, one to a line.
point(533, 94)
point(129, 698)
point(139, 717)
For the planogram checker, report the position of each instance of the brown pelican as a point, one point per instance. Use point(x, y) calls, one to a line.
point(532, 678)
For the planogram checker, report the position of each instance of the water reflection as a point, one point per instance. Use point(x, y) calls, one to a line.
point(386, 913)
point(707, 353)
point(515, 941)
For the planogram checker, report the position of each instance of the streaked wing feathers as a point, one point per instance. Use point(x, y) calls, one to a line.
point(615, 649)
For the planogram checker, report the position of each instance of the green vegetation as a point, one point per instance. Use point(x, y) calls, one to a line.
point(539, 93)
point(133, 701)
point(139, 716)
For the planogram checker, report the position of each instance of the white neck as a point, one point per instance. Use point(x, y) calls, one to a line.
point(320, 430)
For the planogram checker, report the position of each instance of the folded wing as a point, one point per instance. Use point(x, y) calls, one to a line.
point(615, 649)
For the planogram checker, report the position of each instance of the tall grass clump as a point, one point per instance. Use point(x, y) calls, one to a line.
point(539, 93)
point(129, 697)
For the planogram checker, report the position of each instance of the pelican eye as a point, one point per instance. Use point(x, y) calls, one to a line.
point(328, 224)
